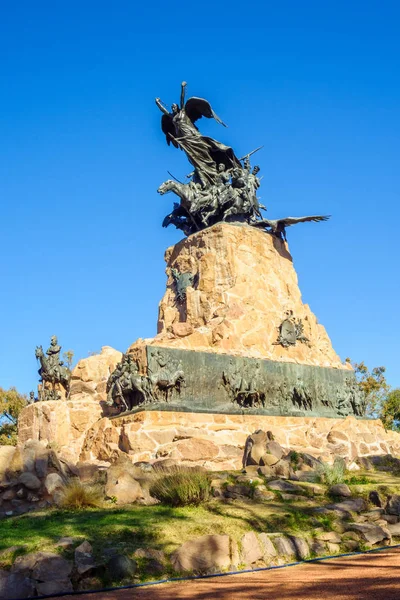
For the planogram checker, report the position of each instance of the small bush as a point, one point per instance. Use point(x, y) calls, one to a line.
point(332, 474)
point(181, 486)
point(294, 458)
point(357, 480)
point(81, 495)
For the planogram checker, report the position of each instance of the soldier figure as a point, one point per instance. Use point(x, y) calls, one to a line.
point(53, 353)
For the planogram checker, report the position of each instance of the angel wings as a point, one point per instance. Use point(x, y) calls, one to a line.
point(203, 152)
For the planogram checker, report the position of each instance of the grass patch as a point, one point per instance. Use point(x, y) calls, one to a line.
point(356, 480)
point(182, 487)
point(78, 495)
point(332, 474)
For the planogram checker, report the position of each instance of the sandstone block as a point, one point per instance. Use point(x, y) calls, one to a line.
point(285, 547)
point(251, 548)
point(203, 554)
point(340, 489)
point(267, 547)
point(370, 533)
point(301, 547)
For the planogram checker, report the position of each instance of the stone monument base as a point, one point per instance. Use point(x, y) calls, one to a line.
point(216, 441)
point(78, 432)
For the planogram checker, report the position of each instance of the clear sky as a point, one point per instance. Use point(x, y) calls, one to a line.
point(82, 155)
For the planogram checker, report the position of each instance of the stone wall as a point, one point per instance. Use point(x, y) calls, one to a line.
point(216, 441)
point(245, 283)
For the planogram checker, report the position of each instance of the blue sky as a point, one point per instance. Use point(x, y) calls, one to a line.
point(82, 154)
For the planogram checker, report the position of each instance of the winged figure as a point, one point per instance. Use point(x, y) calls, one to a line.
point(278, 227)
point(203, 152)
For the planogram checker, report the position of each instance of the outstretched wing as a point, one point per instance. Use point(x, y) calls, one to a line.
point(293, 220)
point(168, 128)
point(198, 107)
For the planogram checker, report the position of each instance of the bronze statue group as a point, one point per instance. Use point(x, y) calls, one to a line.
point(222, 187)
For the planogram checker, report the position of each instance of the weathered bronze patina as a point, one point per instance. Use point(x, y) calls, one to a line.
point(221, 187)
point(185, 380)
point(52, 370)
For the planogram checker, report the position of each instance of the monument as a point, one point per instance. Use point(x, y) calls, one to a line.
point(54, 376)
point(233, 334)
point(236, 349)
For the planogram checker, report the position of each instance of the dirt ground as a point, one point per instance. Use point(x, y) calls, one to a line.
point(372, 576)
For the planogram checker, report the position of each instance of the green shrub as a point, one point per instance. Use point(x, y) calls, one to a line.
point(294, 458)
point(81, 495)
point(181, 486)
point(332, 474)
point(356, 480)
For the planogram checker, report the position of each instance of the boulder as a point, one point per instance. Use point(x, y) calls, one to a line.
point(121, 567)
point(50, 588)
point(124, 488)
point(284, 469)
point(53, 482)
point(318, 548)
point(258, 442)
point(203, 554)
point(251, 549)
point(370, 533)
point(232, 491)
point(301, 547)
point(51, 567)
point(267, 547)
point(355, 505)
point(30, 481)
point(373, 515)
point(14, 585)
point(374, 498)
point(283, 486)
point(340, 489)
point(274, 448)
point(392, 519)
point(150, 554)
point(285, 547)
point(333, 548)
point(268, 460)
point(261, 493)
point(24, 565)
point(84, 560)
point(329, 536)
point(393, 529)
point(265, 471)
point(393, 505)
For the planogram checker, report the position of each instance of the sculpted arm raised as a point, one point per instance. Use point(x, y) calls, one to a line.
point(161, 106)
point(183, 86)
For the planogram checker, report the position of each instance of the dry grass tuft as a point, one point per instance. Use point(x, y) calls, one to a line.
point(81, 495)
point(181, 486)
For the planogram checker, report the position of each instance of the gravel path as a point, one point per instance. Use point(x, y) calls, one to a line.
point(372, 576)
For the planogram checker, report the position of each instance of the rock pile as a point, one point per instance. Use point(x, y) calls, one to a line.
point(32, 478)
